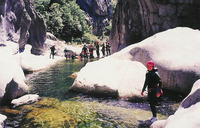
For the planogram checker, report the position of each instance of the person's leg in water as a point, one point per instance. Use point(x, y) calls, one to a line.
point(153, 102)
point(53, 55)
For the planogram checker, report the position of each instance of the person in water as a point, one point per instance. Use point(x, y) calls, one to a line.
point(85, 51)
point(97, 49)
point(52, 51)
point(103, 49)
point(153, 81)
point(108, 48)
point(67, 53)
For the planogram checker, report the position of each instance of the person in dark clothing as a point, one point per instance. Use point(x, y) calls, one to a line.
point(52, 51)
point(103, 49)
point(85, 51)
point(107, 48)
point(97, 48)
point(67, 53)
point(91, 51)
point(73, 56)
point(153, 81)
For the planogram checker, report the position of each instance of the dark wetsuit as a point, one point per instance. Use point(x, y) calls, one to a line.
point(152, 81)
point(52, 51)
point(84, 50)
point(97, 49)
point(108, 49)
point(103, 49)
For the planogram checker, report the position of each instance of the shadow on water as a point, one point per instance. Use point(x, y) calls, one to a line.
point(109, 112)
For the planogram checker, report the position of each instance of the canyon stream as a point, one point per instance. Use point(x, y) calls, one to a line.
point(59, 108)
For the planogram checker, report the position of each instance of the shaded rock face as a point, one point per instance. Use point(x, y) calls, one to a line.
point(20, 23)
point(99, 13)
point(135, 20)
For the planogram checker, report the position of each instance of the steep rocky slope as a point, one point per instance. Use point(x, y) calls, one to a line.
point(135, 20)
point(20, 23)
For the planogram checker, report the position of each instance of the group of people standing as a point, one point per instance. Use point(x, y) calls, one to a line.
point(87, 51)
point(105, 49)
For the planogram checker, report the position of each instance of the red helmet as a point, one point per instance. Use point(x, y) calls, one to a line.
point(151, 63)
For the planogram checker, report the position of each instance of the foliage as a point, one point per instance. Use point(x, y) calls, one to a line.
point(88, 38)
point(114, 4)
point(63, 18)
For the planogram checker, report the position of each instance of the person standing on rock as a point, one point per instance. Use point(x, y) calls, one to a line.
point(52, 51)
point(108, 48)
point(97, 49)
point(153, 81)
point(103, 49)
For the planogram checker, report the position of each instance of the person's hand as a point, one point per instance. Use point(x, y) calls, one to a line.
point(158, 94)
point(142, 93)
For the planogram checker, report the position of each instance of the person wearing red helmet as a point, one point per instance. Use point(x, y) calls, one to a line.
point(91, 48)
point(153, 82)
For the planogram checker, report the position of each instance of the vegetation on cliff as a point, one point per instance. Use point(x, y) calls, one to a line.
point(65, 20)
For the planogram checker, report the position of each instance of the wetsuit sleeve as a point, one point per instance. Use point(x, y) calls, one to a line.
point(145, 84)
point(159, 81)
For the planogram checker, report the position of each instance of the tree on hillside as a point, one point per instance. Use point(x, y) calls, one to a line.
point(64, 18)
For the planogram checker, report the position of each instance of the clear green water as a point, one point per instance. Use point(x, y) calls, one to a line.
point(55, 81)
point(60, 108)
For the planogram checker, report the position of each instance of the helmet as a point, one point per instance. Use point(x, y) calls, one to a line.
point(151, 63)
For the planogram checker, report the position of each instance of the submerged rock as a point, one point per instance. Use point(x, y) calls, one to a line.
point(48, 117)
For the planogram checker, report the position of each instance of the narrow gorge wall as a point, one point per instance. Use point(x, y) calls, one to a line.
point(99, 13)
point(135, 20)
point(20, 23)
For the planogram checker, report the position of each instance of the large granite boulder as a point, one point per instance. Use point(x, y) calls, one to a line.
point(135, 20)
point(111, 77)
point(12, 79)
point(20, 23)
point(175, 53)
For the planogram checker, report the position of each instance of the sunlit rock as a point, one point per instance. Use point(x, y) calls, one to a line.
point(159, 124)
point(175, 53)
point(187, 115)
point(32, 62)
point(2, 120)
point(12, 79)
point(112, 77)
point(26, 99)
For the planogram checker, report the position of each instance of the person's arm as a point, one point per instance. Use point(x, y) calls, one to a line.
point(158, 79)
point(144, 87)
